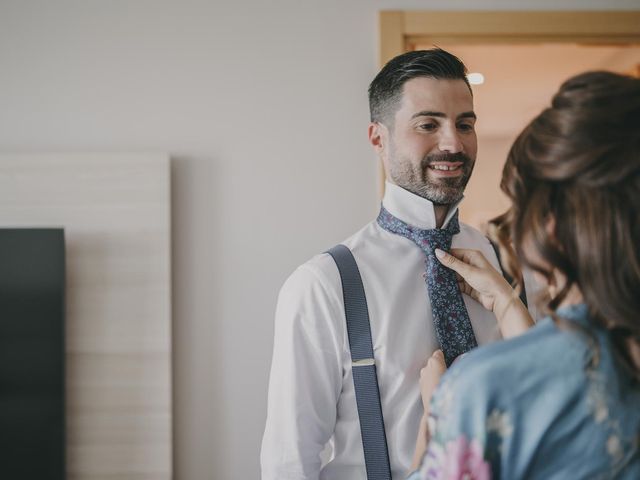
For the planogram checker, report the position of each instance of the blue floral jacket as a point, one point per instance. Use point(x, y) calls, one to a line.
point(554, 404)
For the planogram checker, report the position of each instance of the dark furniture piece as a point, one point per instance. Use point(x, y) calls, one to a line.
point(32, 292)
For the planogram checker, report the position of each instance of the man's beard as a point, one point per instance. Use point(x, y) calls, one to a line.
point(441, 191)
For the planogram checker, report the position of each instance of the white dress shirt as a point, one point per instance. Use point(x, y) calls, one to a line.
point(312, 429)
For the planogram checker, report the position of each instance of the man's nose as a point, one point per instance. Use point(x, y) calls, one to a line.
point(449, 141)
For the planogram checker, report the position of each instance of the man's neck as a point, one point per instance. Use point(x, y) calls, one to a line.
point(441, 213)
point(416, 209)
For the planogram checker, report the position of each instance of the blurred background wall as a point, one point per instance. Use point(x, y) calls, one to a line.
point(263, 108)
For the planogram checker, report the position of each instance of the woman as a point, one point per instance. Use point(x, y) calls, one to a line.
point(560, 400)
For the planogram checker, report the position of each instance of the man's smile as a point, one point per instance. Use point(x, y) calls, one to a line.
point(446, 169)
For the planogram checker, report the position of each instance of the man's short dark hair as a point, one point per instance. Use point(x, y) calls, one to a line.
point(385, 90)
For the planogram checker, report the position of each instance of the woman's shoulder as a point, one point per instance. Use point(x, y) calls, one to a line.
point(514, 401)
point(543, 344)
point(545, 355)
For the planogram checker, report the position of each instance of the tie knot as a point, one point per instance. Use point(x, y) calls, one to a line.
point(428, 240)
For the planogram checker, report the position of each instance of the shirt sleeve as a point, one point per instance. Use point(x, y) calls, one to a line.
point(306, 376)
point(467, 429)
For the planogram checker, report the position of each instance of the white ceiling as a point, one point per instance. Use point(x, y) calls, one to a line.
point(521, 79)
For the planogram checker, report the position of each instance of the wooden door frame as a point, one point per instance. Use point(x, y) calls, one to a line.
point(401, 31)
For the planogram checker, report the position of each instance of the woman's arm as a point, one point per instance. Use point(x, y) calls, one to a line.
point(421, 443)
point(429, 379)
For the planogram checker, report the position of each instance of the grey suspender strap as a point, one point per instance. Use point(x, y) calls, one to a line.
point(365, 381)
point(507, 277)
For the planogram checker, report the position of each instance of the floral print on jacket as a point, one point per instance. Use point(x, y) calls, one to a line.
point(554, 403)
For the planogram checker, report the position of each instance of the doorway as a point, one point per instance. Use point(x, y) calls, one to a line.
point(522, 58)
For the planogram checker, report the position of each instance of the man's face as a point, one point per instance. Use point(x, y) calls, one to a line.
point(432, 145)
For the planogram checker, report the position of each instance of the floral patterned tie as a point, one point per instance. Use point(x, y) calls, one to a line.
point(450, 317)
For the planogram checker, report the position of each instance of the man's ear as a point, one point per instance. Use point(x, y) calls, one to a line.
point(378, 136)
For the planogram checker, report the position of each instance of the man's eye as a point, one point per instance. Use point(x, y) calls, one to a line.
point(428, 126)
point(465, 127)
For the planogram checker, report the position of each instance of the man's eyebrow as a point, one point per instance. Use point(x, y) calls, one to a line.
point(467, 115)
point(430, 113)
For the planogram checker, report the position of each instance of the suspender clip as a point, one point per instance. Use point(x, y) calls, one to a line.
point(363, 363)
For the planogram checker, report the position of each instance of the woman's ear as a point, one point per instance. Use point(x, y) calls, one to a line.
point(550, 227)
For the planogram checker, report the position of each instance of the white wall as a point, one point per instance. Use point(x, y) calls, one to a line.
point(263, 107)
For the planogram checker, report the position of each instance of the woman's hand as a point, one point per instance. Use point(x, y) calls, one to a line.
point(476, 276)
point(482, 282)
point(429, 378)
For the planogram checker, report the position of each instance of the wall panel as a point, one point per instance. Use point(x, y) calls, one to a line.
point(115, 209)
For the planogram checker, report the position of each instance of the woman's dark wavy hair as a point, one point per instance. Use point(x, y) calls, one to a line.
point(573, 176)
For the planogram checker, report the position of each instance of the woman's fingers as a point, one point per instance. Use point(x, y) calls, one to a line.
point(435, 365)
point(430, 376)
point(469, 290)
point(472, 257)
point(453, 263)
point(438, 362)
point(431, 373)
point(434, 369)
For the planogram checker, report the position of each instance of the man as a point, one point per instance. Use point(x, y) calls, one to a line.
point(422, 128)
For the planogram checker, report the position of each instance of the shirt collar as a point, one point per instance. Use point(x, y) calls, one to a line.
point(413, 209)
